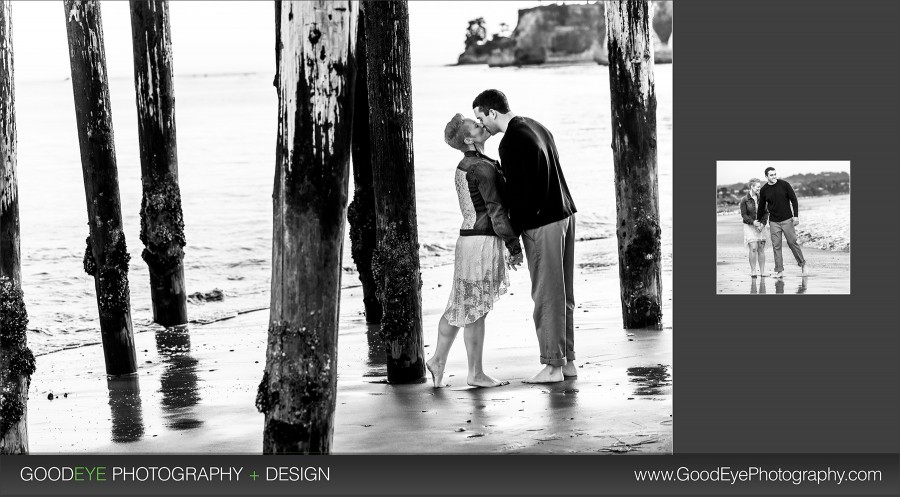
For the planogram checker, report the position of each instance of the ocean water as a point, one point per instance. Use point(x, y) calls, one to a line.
point(226, 127)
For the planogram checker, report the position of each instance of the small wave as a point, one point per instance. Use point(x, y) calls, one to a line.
point(603, 236)
point(436, 248)
point(249, 262)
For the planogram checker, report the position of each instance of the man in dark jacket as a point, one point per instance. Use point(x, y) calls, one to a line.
point(542, 211)
point(778, 201)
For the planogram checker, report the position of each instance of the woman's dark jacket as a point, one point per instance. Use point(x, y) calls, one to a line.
point(486, 186)
point(748, 211)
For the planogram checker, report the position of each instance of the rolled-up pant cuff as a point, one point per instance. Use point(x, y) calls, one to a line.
point(553, 362)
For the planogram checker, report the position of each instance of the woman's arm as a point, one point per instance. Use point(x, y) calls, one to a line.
point(486, 177)
point(745, 213)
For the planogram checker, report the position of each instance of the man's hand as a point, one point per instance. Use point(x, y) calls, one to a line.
point(514, 261)
point(796, 220)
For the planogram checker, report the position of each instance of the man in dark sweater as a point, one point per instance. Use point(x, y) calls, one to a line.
point(542, 211)
point(777, 198)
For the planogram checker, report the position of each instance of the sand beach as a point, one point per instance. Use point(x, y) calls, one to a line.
point(824, 234)
point(195, 389)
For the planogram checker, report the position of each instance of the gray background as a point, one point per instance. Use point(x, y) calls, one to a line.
point(787, 81)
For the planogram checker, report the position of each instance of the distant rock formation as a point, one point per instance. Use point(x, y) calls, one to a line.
point(564, 34)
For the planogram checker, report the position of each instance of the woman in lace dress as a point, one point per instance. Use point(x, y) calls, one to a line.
point(754, 237)
point(480, 269)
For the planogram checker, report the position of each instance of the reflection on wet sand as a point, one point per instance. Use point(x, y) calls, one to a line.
point(178, 381)
point(652, 380)
point(377, 359)
point(758, 286)
point(125, 408)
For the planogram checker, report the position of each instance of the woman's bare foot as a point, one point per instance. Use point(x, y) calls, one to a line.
point(569, 370)
point(485, 381)
point(437, 373)
point(550, 374)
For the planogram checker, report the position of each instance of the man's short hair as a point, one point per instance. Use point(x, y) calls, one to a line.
point(455, 132)
point(491, 99)
point(770, 168)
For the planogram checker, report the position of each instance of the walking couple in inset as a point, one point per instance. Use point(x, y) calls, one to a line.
point(770, 211)
point(523, 195)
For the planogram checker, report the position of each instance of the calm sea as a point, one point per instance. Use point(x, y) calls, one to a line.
point(226, 127)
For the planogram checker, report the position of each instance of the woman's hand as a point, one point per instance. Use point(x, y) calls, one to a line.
point(514, 261)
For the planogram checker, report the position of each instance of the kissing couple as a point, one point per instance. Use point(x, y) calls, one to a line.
point(523, 195)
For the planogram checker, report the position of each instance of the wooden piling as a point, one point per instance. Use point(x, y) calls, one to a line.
point(361, 213)
point(10, 264)
point(396, 259)
point(106, 256)
point(16, 360)
point(316, 76)
point(162, 225)
point(633, 102)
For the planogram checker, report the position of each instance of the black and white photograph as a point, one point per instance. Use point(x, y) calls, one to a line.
point(359, 227)
point(783, 227)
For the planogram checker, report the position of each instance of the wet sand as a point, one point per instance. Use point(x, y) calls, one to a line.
point(195, 392)
point(829, 271)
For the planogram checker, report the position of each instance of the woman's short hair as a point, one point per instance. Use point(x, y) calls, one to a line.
point(455, 132)
point(753, 181)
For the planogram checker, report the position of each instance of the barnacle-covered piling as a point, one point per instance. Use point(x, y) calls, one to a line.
point(361, 213)
point(108, 261)
point(633, 101)
point(162, 225)
point(16, 360)
point(315, 80)
point(396, 259)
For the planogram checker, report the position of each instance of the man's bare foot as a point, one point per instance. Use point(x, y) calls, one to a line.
point(483, 380)
point(569, 370)
point(804, 270)
point(550, 374)
point(437, 373)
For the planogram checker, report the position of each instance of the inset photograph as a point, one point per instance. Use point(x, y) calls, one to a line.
point(783, 227)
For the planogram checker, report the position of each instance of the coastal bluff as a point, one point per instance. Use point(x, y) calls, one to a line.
point(564, 34)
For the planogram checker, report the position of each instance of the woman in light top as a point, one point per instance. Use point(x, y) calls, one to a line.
point(480, 270)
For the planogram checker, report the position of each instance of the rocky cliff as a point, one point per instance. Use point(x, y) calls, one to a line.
point(564, 34)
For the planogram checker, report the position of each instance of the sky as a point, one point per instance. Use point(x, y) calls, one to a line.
point(216, 37)
point(730, 172)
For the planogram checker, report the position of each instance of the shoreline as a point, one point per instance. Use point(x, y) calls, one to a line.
point(829, 270)
point(825, 222)
point(202, 384)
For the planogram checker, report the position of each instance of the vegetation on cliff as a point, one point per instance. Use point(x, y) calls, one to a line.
point(570, 33)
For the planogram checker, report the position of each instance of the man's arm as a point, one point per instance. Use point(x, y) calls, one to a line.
point(518, 163)
point(761, 211)
point(486, 177)
point(793, 198)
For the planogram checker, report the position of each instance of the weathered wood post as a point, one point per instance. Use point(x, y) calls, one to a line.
point(10, 264)
point(633, 102)
point(106, 257)
point(361, 213)
point(16, 359)
point(396, 259)
point(162, 224)
point(315, 96)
